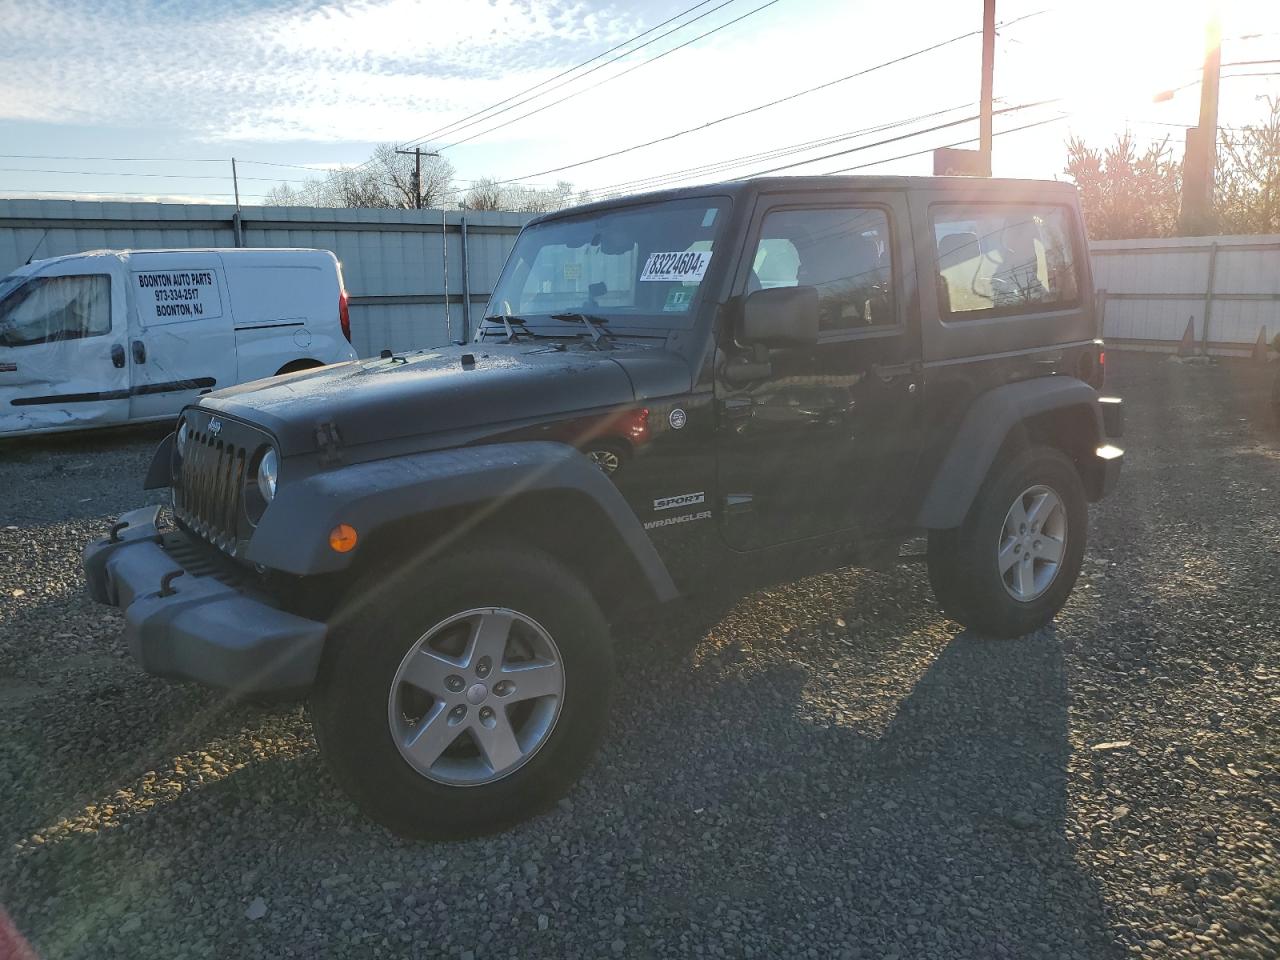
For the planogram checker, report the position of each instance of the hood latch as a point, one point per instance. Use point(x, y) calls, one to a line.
point(328, 442)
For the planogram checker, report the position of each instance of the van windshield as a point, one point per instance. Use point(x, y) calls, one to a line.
point(644, 262)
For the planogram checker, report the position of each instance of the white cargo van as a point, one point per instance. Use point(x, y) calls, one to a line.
point(119, 336)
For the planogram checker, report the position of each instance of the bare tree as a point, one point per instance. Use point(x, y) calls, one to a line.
point(484, 194)
point(489, 194)
point(384, 180)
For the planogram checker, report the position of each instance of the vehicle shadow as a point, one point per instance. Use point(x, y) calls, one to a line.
point(755, 781)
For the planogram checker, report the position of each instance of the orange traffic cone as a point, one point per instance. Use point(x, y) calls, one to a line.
point(1187, 347)
point(1260, 347)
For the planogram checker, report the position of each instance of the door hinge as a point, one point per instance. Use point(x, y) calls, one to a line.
point(328, 442)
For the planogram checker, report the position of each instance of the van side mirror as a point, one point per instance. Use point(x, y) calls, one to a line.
point(781, 317)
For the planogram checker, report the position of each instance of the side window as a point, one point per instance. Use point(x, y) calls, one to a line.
point(844, 252)
point(48, 309)
point(999, 259)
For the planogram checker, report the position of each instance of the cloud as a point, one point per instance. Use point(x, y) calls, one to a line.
point(304, 69)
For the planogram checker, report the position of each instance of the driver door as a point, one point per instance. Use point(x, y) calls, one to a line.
point(62, 357)
point(821, 439)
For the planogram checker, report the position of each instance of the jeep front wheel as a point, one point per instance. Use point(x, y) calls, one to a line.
point(468, 696)
point(1009, 568)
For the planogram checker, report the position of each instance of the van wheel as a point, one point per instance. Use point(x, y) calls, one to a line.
point(1009, 568)
point(293, 366)
point(467, 694)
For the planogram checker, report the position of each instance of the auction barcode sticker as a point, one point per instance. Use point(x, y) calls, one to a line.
point(679, 265)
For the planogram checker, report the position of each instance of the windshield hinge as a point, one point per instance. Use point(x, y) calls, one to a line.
point(328, 442)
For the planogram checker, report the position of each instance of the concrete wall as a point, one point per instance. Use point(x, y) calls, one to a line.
point(392, 260)
point(1154, 286)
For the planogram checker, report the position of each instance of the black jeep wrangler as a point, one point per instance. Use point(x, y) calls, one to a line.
point(713, 387)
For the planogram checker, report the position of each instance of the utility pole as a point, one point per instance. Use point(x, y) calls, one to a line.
point(236, 220)
point(417, 155)
point(1202, 141)
point(988, 79)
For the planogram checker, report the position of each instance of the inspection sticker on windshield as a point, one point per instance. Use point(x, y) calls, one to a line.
point(680, 265)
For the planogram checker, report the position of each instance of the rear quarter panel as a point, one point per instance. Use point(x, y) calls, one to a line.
point(286, 310)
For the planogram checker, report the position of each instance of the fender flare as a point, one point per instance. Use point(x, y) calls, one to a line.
point(981, 434)
point(293, 534)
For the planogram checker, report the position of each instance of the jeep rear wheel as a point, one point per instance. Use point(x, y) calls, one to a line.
point(1009, 568)
point(466, 696)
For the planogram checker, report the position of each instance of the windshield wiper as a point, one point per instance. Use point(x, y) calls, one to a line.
point(506, 322)
point(589, 320)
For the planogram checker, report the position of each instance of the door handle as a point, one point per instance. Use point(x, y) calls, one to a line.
point(139, 352)
point(891, 371)
point(117, 356)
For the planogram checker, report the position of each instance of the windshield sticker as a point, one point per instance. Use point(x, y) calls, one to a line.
point(573, 271)
point(709, 217)
point(679, 265)
point(678, 300)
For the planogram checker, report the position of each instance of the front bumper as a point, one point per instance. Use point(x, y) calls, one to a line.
point(191, 625)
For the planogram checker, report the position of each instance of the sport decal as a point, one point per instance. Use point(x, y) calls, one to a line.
point(682, 500)
point(679, 265)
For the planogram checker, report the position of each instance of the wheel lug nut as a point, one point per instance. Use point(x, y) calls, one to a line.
point(454, 683)
point(458, 712)
point(483, 667)
point(486, 713)
point(502, 687)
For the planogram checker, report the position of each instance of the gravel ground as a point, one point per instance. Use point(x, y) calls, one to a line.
point(828, 769)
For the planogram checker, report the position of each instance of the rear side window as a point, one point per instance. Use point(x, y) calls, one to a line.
point(48, 309)
point(1004, 259)
point(843, 252)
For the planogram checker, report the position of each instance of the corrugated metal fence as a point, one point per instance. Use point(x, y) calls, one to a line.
point(393, 261)
point(394, 264)
point(1228, 287)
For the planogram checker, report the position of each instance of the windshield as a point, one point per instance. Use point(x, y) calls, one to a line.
point(646, 262)
point(10, 283)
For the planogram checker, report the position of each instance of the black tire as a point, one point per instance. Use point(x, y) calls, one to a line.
point(371, 637)
point(964, 565)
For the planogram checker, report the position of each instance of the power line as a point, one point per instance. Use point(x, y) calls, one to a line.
point(163, 176)
point(958, 143)
point(479, 113)
point(786, 150)
point(118, 193)
point(903, 136)
point(771, 103)
point(34, 156)
point(651, 60)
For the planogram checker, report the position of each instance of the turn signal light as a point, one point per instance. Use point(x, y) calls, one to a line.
point(343, 537)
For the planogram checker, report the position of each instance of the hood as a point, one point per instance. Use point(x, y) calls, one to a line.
point(430, 391)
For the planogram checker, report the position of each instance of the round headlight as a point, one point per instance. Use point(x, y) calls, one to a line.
point(181, 439)
point(268, 468)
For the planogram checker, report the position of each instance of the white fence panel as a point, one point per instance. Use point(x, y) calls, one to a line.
point(1153, 287)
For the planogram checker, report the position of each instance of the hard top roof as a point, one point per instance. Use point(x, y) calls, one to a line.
point(965, 186)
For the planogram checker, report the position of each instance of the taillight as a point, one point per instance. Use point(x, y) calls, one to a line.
point(344, 314)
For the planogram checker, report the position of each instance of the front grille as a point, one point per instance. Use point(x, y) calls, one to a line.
point(209, 496)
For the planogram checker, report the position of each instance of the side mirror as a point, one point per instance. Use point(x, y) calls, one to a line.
point(781, 317)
